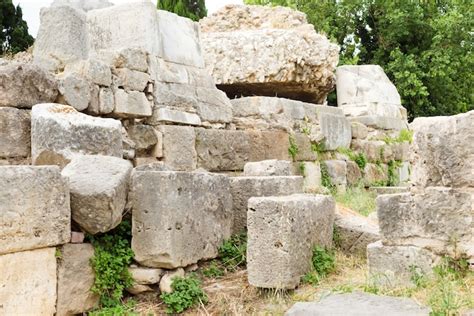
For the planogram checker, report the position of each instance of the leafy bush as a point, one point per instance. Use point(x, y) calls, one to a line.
point(323, 262)
point(118, 310)
point(358, 199)
point(186, 292)
point(112, 256)
point(233, 251)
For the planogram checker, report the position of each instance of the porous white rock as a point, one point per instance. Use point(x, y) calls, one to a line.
point(99, 187)
point(270, 167)
point(14, 133)
point(282, 232)
point(164, 115)
point(24, 85)
point(93, 69)
point(34, 203)
point(132, 104)
point(179, 218)
point(143, 275)
point(75, 91)
point(28, 282)
point(75, 280)
point(59, 130)
point(243, 188)
point(167, 280)
point(179, 151)
point(131, 79)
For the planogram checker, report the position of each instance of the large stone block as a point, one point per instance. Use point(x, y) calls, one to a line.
point(99, 187)
point(125, 26)
point(59, 130)
point(443, 151)
point(300, 64)
point(179, 151)
point(28, 282)
point(337, 171)
point(336, 130)
point(24, 85)
point(62, 37)
point(163, 116)
point(75, 91)
point(132, 104)
point(179, 218)
point(394, 265)
point(15, 137)
point(432, 219)
point(34, 203)
point(281, 234)
point(179, 39)
point(75, 280)
point(243, 188)
point(357, 304)
point(354, 232)
point(270, 167)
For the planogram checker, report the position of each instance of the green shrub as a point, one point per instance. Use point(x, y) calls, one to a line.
point(393, 175)
point(318, 147)
point(233, 251)
point(302, 168)
point(358, 199)
point(118, 310)
point(359, 158)
point(404, 135)
point(214, 270)
point(186, 292)
point(326, 179)
point(293, 149)
point(112, 256)
point(323, 262)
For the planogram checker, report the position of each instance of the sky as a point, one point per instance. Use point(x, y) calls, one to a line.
point(31, 9)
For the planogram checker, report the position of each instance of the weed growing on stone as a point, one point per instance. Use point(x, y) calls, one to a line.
point(318, 147)
point(214, 270)
point(359, 158)
point(293, 149)
point(233, 251)
point(357, 198)
point(126, 309)
point(404, 135)
point(112, 256)
point(326, 179)
point(186, 293)
point(393, 176)
point(323, 262)
point(302, 168)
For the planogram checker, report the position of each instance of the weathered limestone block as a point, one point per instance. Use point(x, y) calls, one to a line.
point(107, 31)
point(167, 279)
point(432, 219)
point(375, 174)
point(131, 79)
point(24, 85)
point(143, 275)
point(359, 303)
point(179, 151)
point(281, 234)
point(381, 122)
point(99, 187)
point(353, 231)
point(179, 218)
point(312, 176)
point(75, 91)
point(305, 150)
point(354, 174)
point(93, 69)
point(365, 86)
point(62, 37)
point(213, 105)
point(34, 203)
point(59, 130)
point(75, 280)
point(179, 39)
point(15, 138)
point(243, 188)
point(131, 58)
point(270, 167)
point(374, 150)
point(359, 130)
point(28, 282)
point(336, 130)
point(393, 265)
point(84, 5)
point(163, 115)
point(132, 104)
point(300, 64)
point(443, 151)
point(144, 136)
point(337, 171)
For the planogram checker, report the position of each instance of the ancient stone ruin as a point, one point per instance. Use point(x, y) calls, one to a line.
point(201, 131)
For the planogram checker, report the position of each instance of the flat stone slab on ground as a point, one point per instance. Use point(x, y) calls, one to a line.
point(28, 282)
point(359, 304)
point(179, 218)
point(282, 232)
point(34, 208)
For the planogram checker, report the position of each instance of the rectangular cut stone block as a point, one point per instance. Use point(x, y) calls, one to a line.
point(163, 115)
point(179, 218)
point(28, 282)
point(382, 122)
point(443, 151)
point(179, 39)
point(393, 265)
point(60, 130)
point(75, 280)
point(432, 219)
point(128, 25)
point(179, 152)
point(337, 171)
point(270, 167)
point(131, 104)
point(34, 208)
point(14, 133)
point(281, 234)
point(336, 130)
point(243, 188)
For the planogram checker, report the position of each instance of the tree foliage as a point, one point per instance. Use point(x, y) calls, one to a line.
point(425, 47)
point(14, 35)
point(193, 9)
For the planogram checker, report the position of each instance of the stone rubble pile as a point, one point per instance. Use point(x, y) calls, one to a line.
point(435, 218)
